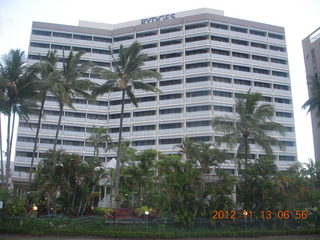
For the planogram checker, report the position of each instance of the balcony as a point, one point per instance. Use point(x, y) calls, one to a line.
point(171, 116)
point(199, 114)
point(199, 99)
point(167, 147)
point(171, 47)
point(170, 131)
point(145, 147)
point(197, 43)
point(144, 118)
point(172, 73)
point(199, 129)
point(199, 84)
point(171, 87)
point(198, 70)
point(197, 30)
point(171, 101)
point(169, 35)
point(144, 133)
point(198, 56)
point(170, 60)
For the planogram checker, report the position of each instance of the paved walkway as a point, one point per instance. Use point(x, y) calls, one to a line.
point(24, 237)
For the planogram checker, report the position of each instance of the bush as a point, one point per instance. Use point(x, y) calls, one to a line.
point(102, 211)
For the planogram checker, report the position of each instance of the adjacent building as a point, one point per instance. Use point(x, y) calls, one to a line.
point(311, 52)
point(205, 59)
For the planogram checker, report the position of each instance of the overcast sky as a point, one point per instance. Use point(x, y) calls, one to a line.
point(300, 18)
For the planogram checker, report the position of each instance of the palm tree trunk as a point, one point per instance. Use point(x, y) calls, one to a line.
point(1, 156)
point(58, 127)
point(119, 154)
point(37, 139)
point(246, 151)
point(8, 151)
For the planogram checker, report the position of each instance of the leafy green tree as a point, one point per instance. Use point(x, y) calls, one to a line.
point(313, 103)
point(17, 91)
point(126, 75)
point(46, 82)
point(252, 122)
point(71, 85)
point(98, 138)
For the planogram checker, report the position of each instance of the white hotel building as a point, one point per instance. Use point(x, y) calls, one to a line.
point(205, 59)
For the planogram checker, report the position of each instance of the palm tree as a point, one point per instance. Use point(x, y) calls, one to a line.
point(313, 103)
point(126, 74)
point(47, 79)
point(98, 138)
point(70, 85)
point(252, 122)
point(18, 89)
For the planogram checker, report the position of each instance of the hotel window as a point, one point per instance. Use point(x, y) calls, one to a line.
point(221, 65)
point(170, 111)
point(266, 99)
point(144, 113)
point(143, 143)
point(119, 102)
point(73, 143)
point(280, 74)
point(170, 96)
point(117, 115)
point(222, 94)
point(39, 45)
point(277, 48)
point(78, 49)
point(276, 36)
point(261, 71)
point(222, 108)
point(101, 103)
point(239, 29)
point(197, 51)
point(101, 51)
point(146, 99)
point(220, 39)
point(123, 38)
point(198, 93)
point(197, 79)
point(260, 58)
point(284, 114)
point(49, 141)
point(258, 33)
point(170, 125)
point(199, 108)
point(170, 141)
point(170, 55)
point(289, 129)
point(96, 116)
point(170, 30)
point(219, 26)
point(23, 154)
point(146, 34)
point(26, 139)
point(259, 45)
point(82, 37)
point(41, 32)
point(241, 68)
point(281, 87)
point(220, 52)
point(28, 125)
point(62, 35)
point(197, 65)
point(240, 42)
point(79, 101)
point(101, 64)
point(201, 139)
point(50, 126)
point(197, 38)
point(170, 69)
point(282, 100)
point(102, 39)
point(240, 55)
point(60, 47)
point(287, 158)
point(262, 84)
point(242, 82)
point(278, 60)
point(74, 129)
point(198, 124)
point(197, 25)
point(116, 130)
point(34, 57)
point(170, 42)
point(221, 79)
point(149, 45)
point(75, 114)
point(144, 128)
point(170, 82)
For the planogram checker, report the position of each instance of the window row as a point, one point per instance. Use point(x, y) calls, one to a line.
point(214, 25)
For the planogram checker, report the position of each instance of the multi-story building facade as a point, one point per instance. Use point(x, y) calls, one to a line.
point(205, 59)
point(311, 52)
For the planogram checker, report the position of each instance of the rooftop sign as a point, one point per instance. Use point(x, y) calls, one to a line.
point(158, 19)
